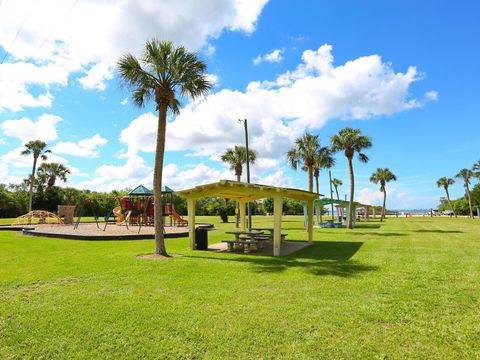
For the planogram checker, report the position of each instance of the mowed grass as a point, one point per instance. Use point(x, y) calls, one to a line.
point(406, 288)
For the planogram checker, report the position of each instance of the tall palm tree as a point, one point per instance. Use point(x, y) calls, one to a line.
point(37, 149)
point(351, 141)
point(160, 73)
point(445, 183)
point(466, 174)
point(336, 183)
point(236, 157)
point(49, 172)
point(304, 152)
point(323, 159)
point(383, 176)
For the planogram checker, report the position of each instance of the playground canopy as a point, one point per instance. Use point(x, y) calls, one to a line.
point(243, 193)
point(140, 190)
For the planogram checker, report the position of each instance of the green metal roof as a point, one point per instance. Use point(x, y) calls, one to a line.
point(141, 190)
point(166, 190)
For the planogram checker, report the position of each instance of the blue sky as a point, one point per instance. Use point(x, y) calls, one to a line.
point(405, 73)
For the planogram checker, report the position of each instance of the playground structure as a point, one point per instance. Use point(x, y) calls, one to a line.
point(38, 217)
point(136, 208)
point(342, 207)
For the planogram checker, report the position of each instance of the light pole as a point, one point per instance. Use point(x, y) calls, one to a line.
point(331, 192)
point(245, 124)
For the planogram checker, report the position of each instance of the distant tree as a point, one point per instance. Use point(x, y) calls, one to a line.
point(304, 152)
point(323, 160)
point(336, 183)
point(163, 71)
point(466, 174)
point(476, 170)
point(235, 157)
point(445, 183)
point(37, 149)
point(50, 172)
point(382, 177)
point(351, 141)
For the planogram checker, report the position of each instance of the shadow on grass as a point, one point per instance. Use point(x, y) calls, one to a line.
point(385, 234)
point(440, 231)
point(321, 259)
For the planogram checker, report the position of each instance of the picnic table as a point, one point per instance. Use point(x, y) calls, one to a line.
point(244, 240)
point(270, 234)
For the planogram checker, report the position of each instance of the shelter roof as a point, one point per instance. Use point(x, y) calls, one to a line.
point(243, 191)
point(167, 190)
point(328, 201)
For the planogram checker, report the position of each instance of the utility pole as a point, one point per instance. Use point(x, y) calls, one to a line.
point(245, 124)
point(331, 192)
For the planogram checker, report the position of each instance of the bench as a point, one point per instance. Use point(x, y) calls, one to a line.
point(337, 225)
point(246, 244)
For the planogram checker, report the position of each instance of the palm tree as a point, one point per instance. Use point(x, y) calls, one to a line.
point(445, 183)
point(350, 141)
point(323, 160)
point(49, 172)
point(476, 170)
point(159, 74)
point(336, 183)
point(383, 176)
point(466, 174)
point(37, 149)
point(236, 157)
point(304, 151)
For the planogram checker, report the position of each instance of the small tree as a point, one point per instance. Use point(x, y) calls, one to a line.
point(445, 183)
point(37, 149)
point(304, 152)
point(466, 174)
point(383, 176)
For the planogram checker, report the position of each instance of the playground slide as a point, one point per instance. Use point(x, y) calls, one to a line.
point(178, 219)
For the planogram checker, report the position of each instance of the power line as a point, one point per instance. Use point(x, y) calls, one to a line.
point(19, 29)
point(53, 30)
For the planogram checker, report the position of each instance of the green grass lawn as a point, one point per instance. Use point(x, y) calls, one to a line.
point(407, 288)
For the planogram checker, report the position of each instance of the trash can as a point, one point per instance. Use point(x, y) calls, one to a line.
point(201, 239)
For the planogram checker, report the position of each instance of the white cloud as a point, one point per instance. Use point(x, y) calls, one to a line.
point(274, 57)
point(96, 76)
point(90, 36)
point(83, 148)
point(25, 129)
point(17, 78)
point(141, 134)
point(124, 101)
point(281, 110)
point(2, 142)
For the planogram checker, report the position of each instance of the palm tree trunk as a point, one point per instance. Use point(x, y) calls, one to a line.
point(338, 198)
point(157, 181)
point(310, 179)
point(450, 203)
point(32, 179)
point(469, 199)
point(384, 204)
point(352, 191)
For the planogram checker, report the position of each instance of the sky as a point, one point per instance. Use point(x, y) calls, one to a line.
point(406, 73)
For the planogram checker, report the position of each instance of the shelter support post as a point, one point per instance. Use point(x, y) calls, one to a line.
point(310, 220)
point(243, 222)
point(191, 222)
point(373, 210)
point(277, 224)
